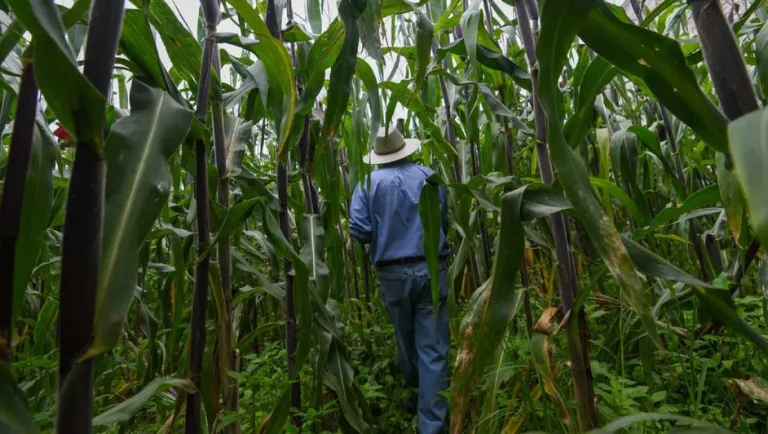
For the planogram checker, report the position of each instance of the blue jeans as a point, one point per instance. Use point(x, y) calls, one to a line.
point(423, 338)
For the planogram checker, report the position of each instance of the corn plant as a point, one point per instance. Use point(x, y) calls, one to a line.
point(174, 220)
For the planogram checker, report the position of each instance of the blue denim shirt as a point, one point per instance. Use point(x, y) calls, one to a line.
point(386, 215)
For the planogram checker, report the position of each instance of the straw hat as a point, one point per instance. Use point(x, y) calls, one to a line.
point(390, 147)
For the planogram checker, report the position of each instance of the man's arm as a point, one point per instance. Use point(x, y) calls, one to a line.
point(360, 216)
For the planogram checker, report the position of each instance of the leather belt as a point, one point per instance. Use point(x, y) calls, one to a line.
point(402, 261)
point(405, 261)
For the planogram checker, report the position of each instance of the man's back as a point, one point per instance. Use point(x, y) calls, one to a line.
point(386, 213)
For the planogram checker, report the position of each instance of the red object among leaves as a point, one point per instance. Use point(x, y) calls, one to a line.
point(62, 132)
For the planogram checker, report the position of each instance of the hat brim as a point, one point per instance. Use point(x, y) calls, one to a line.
point(411, 146)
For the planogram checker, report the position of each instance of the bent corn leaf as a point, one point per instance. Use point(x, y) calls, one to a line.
point(77, 104)
point(126, 409)
point(749, 149)
point(659, 62)
point(559, 25)
point(431, 222)
point(137, 188)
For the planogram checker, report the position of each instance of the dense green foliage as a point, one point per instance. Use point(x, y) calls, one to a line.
point(174, 244)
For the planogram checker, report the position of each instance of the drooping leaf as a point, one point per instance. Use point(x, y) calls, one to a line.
point(659, 62)
point(312, 253)
point(707, 196)
point(401, 94)
point(255, 333)
point(542, 360)
point(138, 44)
point(749, 150)
point(599, 74)
point(126, 409)
point(77, 104)
point(314, 10)
point(295, 33)
point(491, 307)
point(183, 50)
point(734, 202)
point(256, 78)
point(370, 24)
point(559, 25)
point(340, 377)
point(430, 212)
point(237, 133)
point(622, 424)
point(493, 60)
point(274, 423)
point(15, 416)
point(425, 34)
point(756, 388)
point(470, 21)
point(277, 63)
point(496, 106)
point(322, 55)
point(35, 214)
point(341, 73)
point(717, 301)
point(137, 187)
point(301, 297)
point(761, 54)
point(365, 74)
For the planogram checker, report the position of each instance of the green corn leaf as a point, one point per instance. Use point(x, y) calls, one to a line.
point(35, 213)
point(370, 23)
point(734, 202)
point(401, 94)
point(314, 10)
point(312, 253)
point(497, 107)
point(295, 33)
point(274, 423)
point(707, 196)
point(491, 59)
point(322, 55)
point(341, 73)
point(15, 416)
point(761, 54)
point(492, 305)
point(77, 104)
point(559, 25)
point(301, 297)
point(695, 426)
point(717, 301)
point(599, 74)
point(430, 211)
point(138, 44)
point(126, 409)
point(137, 188)
point(277, 63)
point(542, 360)
point(365, 74)
point(255, 333)
point(470, 21)
point(340, 378)
point(425, 34)
point(10, 39)
point(749, 150)
point(617, 193)
point(658, 62)
point(183, 50)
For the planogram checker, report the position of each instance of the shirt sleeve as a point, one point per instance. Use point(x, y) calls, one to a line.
point(360, 216)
